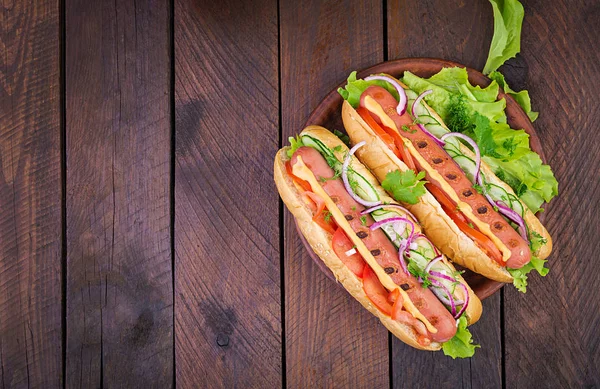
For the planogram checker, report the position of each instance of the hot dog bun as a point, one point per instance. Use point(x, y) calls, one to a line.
point(437, 224)
point(321, 241)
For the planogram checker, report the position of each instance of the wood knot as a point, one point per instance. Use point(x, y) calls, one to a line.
point(222, 340)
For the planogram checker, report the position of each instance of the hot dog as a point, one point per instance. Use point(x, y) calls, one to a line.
point(460, 216)
point(376, 246)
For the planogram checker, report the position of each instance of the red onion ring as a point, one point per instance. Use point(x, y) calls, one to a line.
point(433, 262)
point(418, 100)
point(356, 197)
point(466, 304)
point(442, 276)
point(513, 216)
point(435, 249)
point(475, 148)
point(449, 298)
point(444, 299)
point(435, 139)
point(383, 222)
point(401, 108)
point(369, 210)
point(448, 278)
point(488, 197)
point(421, 126)
point(405, 242)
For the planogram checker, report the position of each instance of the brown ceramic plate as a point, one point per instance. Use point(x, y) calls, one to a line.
point(328, 115)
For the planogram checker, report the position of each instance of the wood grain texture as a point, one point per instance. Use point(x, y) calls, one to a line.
point(30, 196)
point(228, 297)
point(460, 31)
point(455, 30)
point(413, 368)
point(552, 334)
point(331, 341)
point(119, 274)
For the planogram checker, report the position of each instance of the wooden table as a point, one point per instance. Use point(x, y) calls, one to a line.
point(142, 240)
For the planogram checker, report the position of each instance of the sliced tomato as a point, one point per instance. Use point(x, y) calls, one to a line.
point(393, 296)
point(403, 152)
point(445, 201)
point(341, 245)
point(390, 137)
point(480, 239)
point(397, 303)
point(303, 184)
point(321, 217)
point(375, 291)
point(383, 135)
point(397, 307)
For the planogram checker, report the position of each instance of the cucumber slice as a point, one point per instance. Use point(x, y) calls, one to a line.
point(516, 205)
point(419, 256)
point(425, 116)
point(467, 165)
point(316, 144)
point(497, 193)
point(494, 191)
point(382, 214)
point(362, 187)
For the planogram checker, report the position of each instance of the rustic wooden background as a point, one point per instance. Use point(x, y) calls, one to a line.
point(142, 241)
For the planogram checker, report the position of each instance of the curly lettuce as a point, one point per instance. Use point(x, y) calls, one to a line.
point(461, 345)
point(520, 275)
point(506, 42)
point(522, 98)
point(475, 111)
point(354, 88)
point(295, 144)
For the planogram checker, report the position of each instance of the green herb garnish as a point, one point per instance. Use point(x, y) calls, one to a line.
point(536, 241)
point(295, 144)
point(417, 272)
point(406, 128)
point(363, 220)
point(405, 186)
point(343, 137)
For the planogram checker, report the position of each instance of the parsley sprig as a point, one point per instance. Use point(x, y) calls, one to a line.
point(406, 186)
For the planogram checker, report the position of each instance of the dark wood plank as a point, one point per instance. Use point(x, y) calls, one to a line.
point(30, 196)
point(228, 297)
point(459, 31)
point(331, 340)
point(552, 331)
point(119, 275)
point(413, 368)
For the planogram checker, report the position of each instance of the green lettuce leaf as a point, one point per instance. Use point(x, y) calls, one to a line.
point(354, 88)
point(520, 275)
point(498, 140)
point(506, 42)
point(461, 345)
point(295, 144)
point(504, 149)
point(406, 186)
point(451, 82)
point(343, 137)
point(457, 80)
point(522, 97)
point(527, 171)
